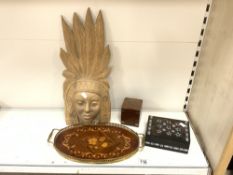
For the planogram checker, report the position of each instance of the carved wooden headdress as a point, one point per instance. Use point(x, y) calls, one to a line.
point(86, 60)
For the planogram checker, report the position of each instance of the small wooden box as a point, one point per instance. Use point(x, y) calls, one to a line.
point(130, 111)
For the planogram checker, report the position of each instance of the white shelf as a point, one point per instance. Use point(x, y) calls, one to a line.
point(24, 148)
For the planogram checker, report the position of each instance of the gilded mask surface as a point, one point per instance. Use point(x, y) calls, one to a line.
point(86, 89)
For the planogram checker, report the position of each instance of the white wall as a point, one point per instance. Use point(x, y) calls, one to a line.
point(152, 45)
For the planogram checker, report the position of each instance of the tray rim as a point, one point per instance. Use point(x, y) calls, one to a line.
point(99, 161)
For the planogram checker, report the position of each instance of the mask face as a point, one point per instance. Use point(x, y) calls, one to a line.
point(86, 107)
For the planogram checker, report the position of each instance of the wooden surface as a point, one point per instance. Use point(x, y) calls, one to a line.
point(211, 100)
point(152, 45)
point(225, 157)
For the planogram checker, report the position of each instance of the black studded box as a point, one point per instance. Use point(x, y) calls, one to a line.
point(169, 134)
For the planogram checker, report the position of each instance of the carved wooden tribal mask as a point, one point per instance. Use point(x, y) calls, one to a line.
point(86, 61)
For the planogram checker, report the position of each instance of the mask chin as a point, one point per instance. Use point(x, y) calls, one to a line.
point(87, 121)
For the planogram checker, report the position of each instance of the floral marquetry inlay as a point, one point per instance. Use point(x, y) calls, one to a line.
point(97, 143)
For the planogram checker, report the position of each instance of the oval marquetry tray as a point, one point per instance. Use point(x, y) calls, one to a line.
point(103, 143)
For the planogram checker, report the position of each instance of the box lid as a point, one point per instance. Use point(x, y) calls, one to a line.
point(132, 104)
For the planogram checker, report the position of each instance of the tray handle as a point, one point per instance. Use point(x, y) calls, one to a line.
point(51, 134)
point(141, 140)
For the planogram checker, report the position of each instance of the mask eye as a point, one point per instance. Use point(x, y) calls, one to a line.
point(94, 103)
point(80, 102)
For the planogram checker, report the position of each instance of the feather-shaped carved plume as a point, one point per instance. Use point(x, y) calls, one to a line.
point(86, 56)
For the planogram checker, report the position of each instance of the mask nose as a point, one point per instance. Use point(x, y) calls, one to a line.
point(87, 107)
